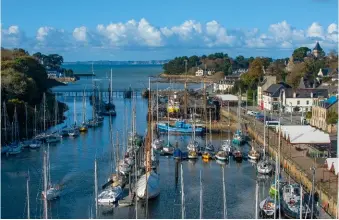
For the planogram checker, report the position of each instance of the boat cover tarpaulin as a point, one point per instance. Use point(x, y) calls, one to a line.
point(304, 134)
point(227, 97)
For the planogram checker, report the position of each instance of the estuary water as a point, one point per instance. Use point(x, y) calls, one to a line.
point(72, 166)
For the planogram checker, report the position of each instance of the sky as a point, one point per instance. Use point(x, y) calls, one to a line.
point(156, 30)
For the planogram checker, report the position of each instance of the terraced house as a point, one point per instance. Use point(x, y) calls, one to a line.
point(320, 112)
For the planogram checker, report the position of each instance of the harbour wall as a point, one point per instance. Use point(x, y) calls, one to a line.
point(292, 162)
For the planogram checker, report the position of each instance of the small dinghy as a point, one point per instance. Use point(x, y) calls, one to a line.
point(110, 196)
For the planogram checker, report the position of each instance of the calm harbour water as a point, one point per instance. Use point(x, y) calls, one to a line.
point(72, 164)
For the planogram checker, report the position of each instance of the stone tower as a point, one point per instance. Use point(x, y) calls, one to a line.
point(317, 50)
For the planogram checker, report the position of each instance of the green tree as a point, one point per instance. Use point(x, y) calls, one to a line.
point(332, 118)
point(298, 71)
point(300, 53)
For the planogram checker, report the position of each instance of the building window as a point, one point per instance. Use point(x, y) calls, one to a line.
point(307, 102)
point(298, 102)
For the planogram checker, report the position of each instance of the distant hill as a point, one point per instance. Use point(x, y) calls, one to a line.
point(107, 62)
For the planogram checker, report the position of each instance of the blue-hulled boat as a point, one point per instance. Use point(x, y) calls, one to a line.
point(177, 154)
point(238, 138)
point(180, 127)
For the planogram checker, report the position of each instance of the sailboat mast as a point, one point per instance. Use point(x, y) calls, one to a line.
point(111, 87)
point(224, 191)
point(149, 128)
point(264, 133)
point(96, 187)
point(275, 184)
point(83, 107)
point(157, 104)
point(5, 121)
point(28, 205)
point(301, 202)
point(201, 202)
point(56, 111)
point(26, 116)
point(35, 125)
point(210, 125)
point(45, 186)
point(256, 199)
point(182, 194)
point(44, 103)
point(168, 124)
point(75, 114)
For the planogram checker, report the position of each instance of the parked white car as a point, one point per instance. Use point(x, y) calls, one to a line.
point(252, 113)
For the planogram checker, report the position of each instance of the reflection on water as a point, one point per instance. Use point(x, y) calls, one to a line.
point(72, 165)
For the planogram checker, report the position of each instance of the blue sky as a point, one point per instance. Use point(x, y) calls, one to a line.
point(143, 30)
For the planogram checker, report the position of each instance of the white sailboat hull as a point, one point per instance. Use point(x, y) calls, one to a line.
point(264, 167)
point(52, 193)
point(149, 189)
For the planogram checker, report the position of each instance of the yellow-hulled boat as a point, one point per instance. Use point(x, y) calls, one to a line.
point(83, 128)
point(206, 155)
point(192, 154)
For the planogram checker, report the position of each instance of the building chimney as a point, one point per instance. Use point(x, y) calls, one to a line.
point(294, 94)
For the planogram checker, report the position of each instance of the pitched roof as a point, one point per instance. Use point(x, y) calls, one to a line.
point(304, 134)
point(317, 46)
point(301, 83)
point(274, 89)
point(306, 93)
point(330, 101)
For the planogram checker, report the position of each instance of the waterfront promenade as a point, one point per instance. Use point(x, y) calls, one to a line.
point(295, 163)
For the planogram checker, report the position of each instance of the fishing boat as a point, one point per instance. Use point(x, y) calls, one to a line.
point(177, 154)
point(110, 195)
point(206, 155)
point(238, 138)
point(180, 127)
point(264, 167)
point(237, 155)
point(268, 207)
point(35, 144)
point(290, 202)
point(221, 155)
point(192, 154)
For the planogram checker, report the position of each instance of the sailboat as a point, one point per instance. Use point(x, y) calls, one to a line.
point(268, 207)
point(238, 138)
point(148, 185)
point(264, 166)
point(221, 155)
point(5, 148)
point(157, 143)
point(15, 147)
point(209, 146)
point(74, 131)
point(83, 127)
point(109, 108)
point(253, 154)
point(193, 145)
point(26, 142)
point(226, 144)
point(168, 148)
point(36, 143)
point(51, 192)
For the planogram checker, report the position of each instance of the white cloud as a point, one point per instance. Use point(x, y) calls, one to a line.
point(191, 34)
point(315, 30)
point(80, 33)
point(12, 37)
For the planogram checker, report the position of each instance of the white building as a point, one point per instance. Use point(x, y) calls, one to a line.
point(223, 85)
point(302, 100)
point(271, 97)
point(199, 72)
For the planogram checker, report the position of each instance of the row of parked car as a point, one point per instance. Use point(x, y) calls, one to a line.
point(270, 122)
